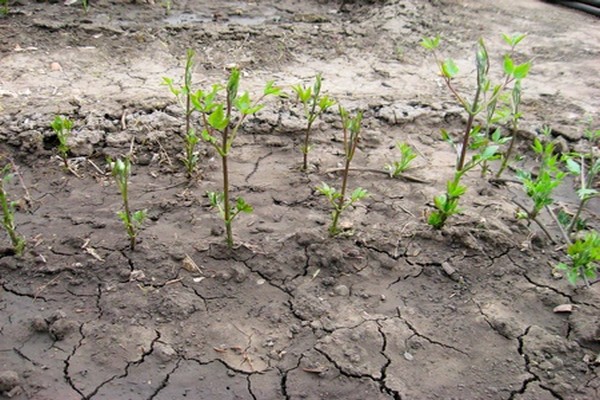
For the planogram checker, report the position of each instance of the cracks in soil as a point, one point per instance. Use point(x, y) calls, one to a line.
point(33, 297)
point(67, 362)
point(256, 165)
point(382, 382)
point(165, 381)
point(427, 338)
point(533, 377)
point(284, 377)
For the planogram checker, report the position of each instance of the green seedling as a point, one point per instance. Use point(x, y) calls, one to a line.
point(62, 127)
point(446, 204)
point(8, 213)
point(4, 7)
point(583, 254)
point(184, 95)
point(338, 199)
point(220, 128)
point(121, 171)
point(314, 105)
point(576, 165)
point(407, 154)
point(486, 95)
point(85, 5)
point(540, 187)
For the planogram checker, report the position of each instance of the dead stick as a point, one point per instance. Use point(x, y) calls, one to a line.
point(379, 171)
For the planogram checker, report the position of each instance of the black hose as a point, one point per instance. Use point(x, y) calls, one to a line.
point(589, 6)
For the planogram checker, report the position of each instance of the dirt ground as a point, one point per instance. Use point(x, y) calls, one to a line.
point(290, 313)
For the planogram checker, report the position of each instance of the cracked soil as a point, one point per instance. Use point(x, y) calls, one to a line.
point(289, 313)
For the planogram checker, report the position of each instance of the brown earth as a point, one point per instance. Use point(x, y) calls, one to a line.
point(290, 313)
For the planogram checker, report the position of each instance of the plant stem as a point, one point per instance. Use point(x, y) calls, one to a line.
point(306, 138)
point(465, 142)
point(226, 205)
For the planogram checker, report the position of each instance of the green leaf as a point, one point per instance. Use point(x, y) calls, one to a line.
point(215, 198)
point(509, 66)
point(440, 201)
point(271, 89)
point(233, 84)
point(572, 166)
point(358, 194)
point(513, 39)
point(586, 194)
point(521, 71)
point(431, 43)
point(139, 216)
point(489, 152)
point(217, 118)
point(242, 206)
point(303, 93)
point(449, 68)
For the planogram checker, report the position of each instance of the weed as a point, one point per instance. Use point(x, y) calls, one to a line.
point(583, 254)
point(339, 202)
point(86, 6)
point(314, 105)
point(121, 171)
point(218, 121)
point(183, 95)
point(8, 212)
point(4, 7)
point(407, 154)
point(62, 127)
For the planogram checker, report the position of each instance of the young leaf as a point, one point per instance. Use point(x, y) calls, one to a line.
point(242, 206)
point(521, 70)
point(217, 118)
point(449, 68)
point(358, 194)
point(431, 43)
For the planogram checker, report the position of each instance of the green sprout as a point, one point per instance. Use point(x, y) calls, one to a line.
point(583, 254)
point(398, 167)
point(62, 127)
point(576, 165)
point(339, 201)
point(314, 105)
point(8, 213)
point(184, 95)
point(4, 7)
point(220, 130)
point(85, 5)
point(540, 187)
point(121, 170)
point(486, 95)
point(446, 204)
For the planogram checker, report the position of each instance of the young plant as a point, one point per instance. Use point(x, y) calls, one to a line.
point(583, 255)
point(121, 171)
point(8, 213)
point(539, 188)
point(85, 5)
point(407, 154)
point(220, 128)
point(314, 105)
point(486, 95)
point(576, 165)
point(184, 95)
point(339, 201)
point(446, 204)
point(62, 127)
point(4, 7)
